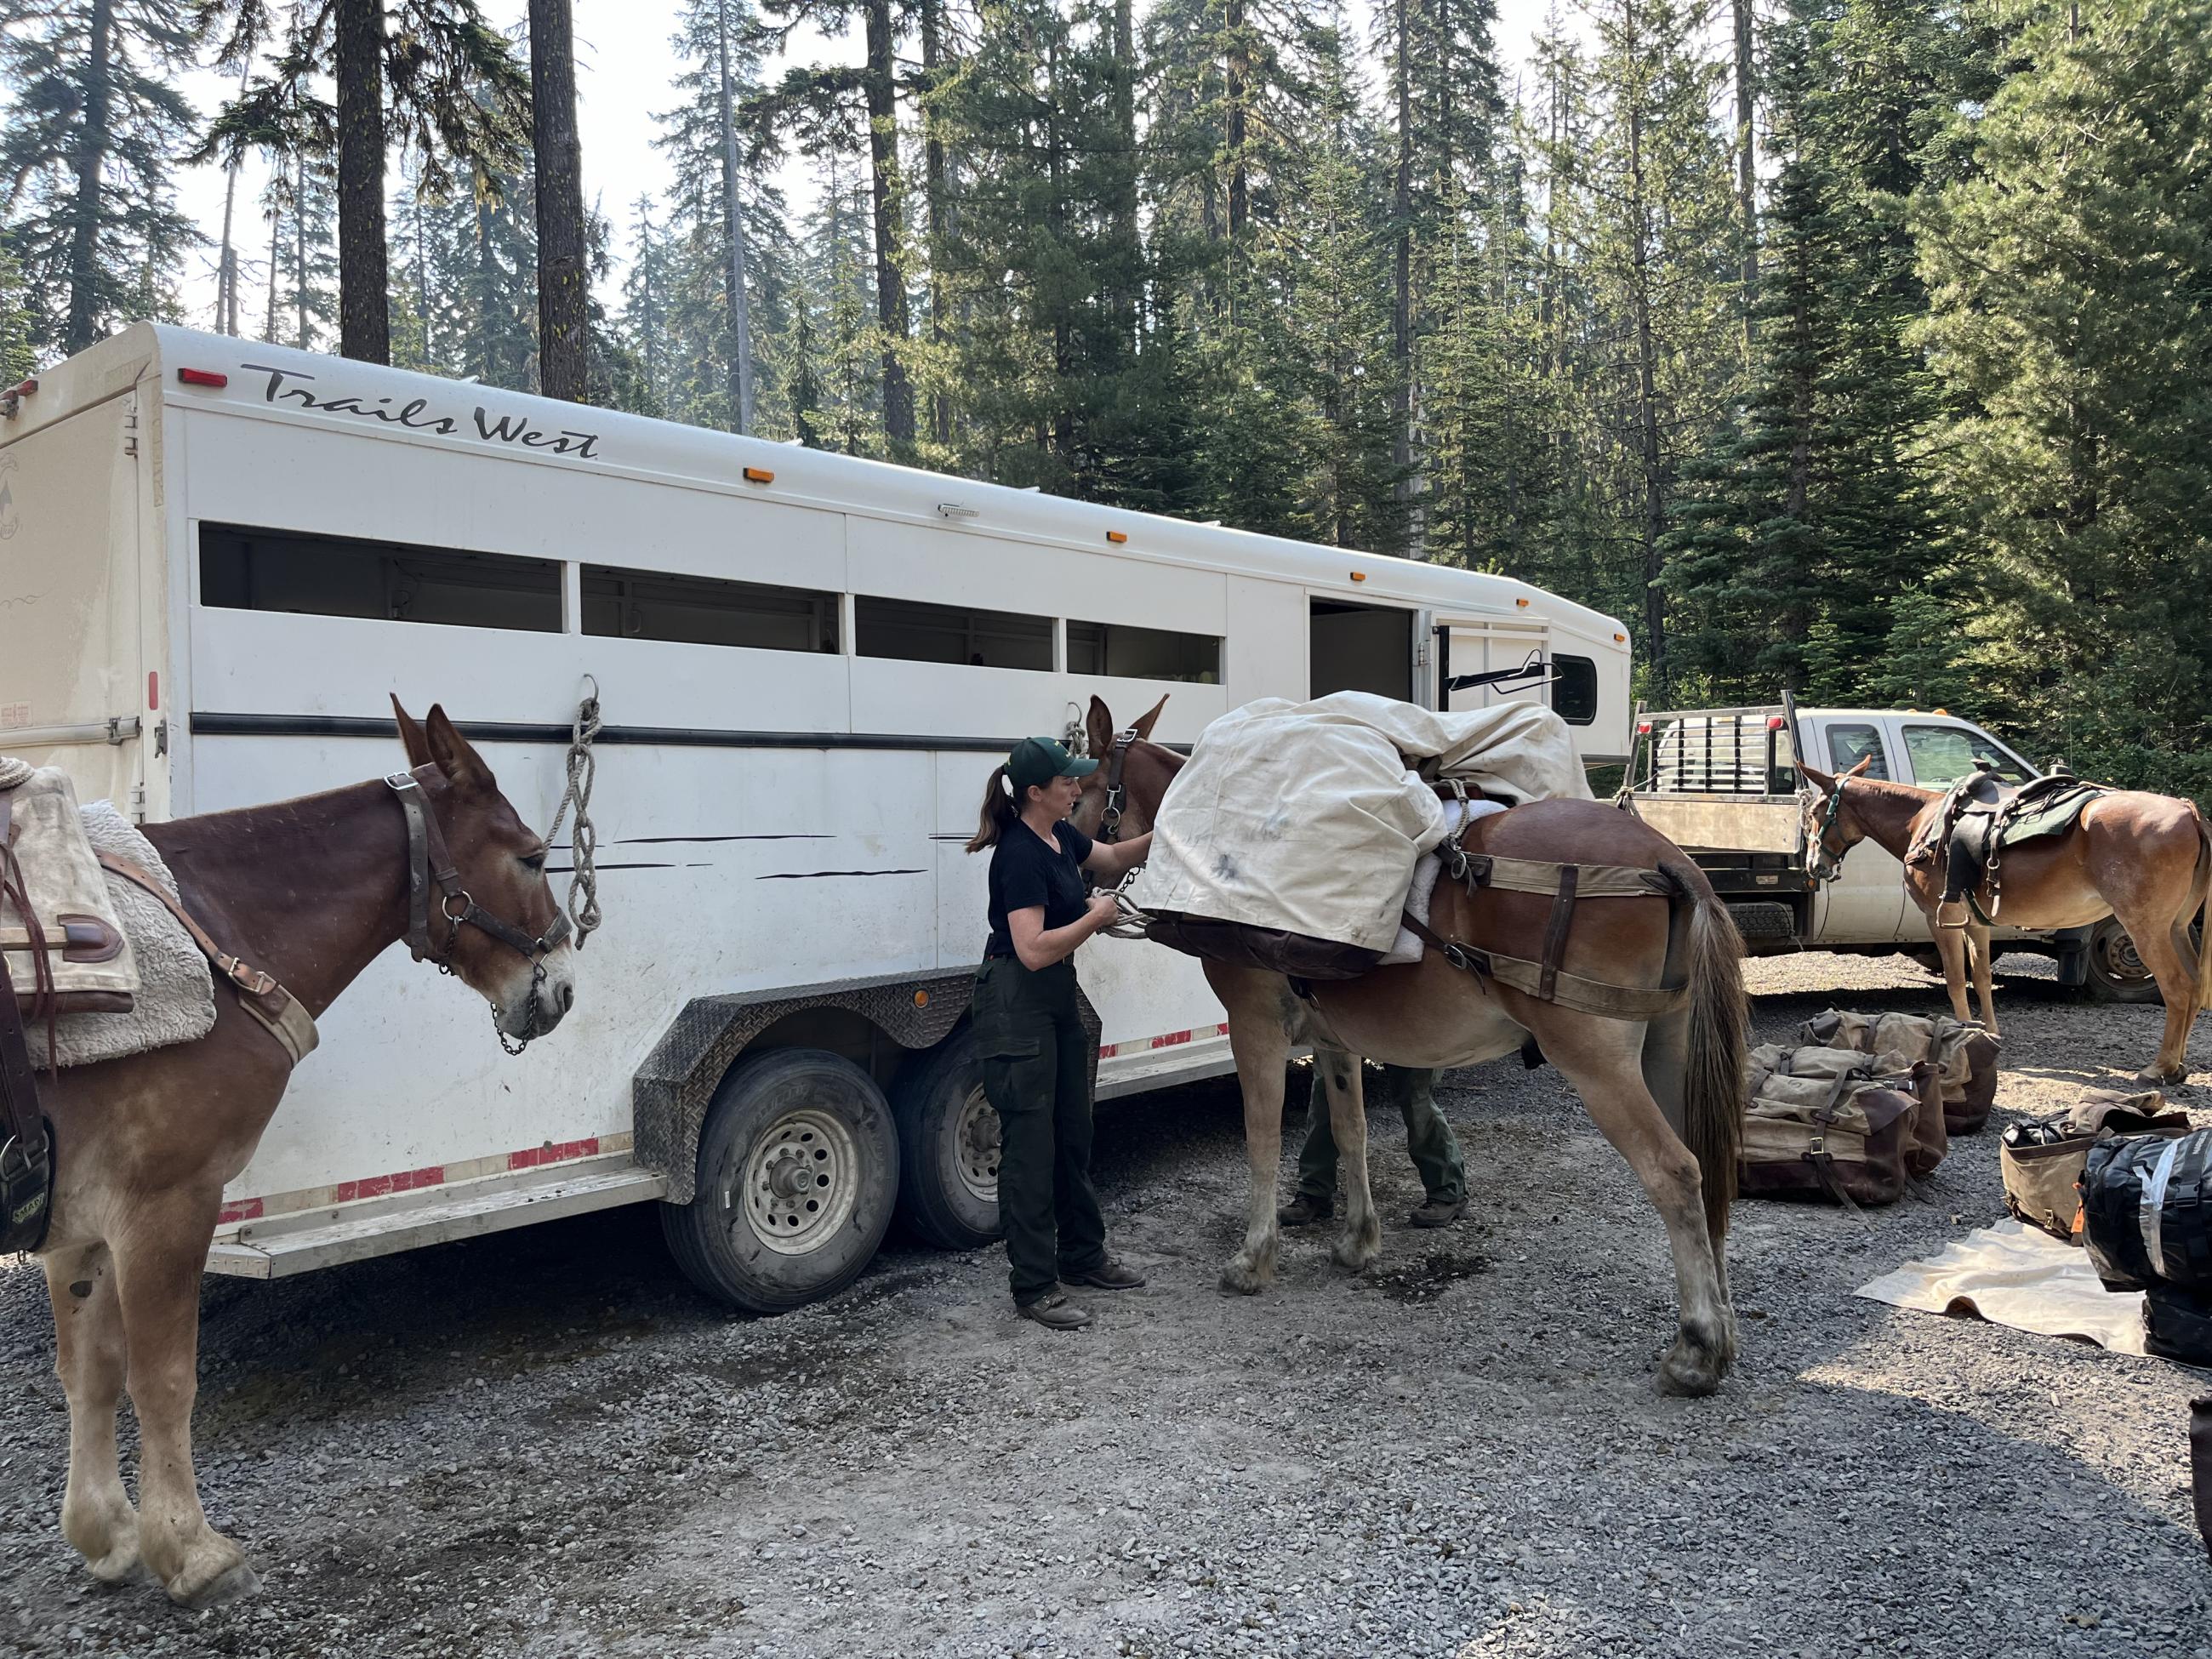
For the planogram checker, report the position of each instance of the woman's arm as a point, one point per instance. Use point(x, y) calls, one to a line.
point(1110, 859)
point(1038, 947)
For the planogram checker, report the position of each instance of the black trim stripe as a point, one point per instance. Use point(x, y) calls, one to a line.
point(683, 736)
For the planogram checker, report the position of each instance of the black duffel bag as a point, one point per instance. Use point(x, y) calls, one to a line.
point(2178, 1325)
point(2146, 1211)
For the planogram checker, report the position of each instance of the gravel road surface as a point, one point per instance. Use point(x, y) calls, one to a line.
point(545, 1445)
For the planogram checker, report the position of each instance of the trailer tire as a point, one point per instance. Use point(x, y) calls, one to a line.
point(2115, 973)
point(799, 1172)
point(948, 1148)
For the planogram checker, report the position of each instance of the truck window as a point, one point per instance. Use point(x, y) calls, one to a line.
point(1942, 755)
point(1849, 745)
point(1574, 688)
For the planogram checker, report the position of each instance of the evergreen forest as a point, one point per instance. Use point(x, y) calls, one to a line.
point(1858, 348)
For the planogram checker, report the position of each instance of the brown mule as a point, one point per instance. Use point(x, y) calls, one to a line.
point(312, 891)
point(1668, 1095)
point(2146, 859)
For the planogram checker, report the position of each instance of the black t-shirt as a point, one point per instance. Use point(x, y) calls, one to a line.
point(1026, 872)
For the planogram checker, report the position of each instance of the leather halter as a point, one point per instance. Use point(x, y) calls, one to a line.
point(430, 863)
point(1833, 858)
point(1109, 822)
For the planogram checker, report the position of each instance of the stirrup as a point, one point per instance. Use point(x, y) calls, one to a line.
point(1952, 913)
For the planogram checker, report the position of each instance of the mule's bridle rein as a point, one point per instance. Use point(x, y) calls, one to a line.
point(1110, 822)
point(430, 862)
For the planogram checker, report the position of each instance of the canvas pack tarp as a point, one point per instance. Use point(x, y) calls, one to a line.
point(1308, 818)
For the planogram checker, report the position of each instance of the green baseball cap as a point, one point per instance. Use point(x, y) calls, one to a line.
point(1036, 761)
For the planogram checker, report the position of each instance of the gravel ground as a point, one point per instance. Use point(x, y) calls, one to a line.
point(545, 1445)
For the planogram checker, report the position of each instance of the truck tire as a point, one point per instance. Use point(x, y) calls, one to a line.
point(2116, 972)
point(948, 1148)
point(799, 1172)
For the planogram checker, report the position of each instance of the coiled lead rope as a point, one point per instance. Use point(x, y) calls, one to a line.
point(583, 766)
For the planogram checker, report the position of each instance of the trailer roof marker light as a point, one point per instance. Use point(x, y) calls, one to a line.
point(1523, 604)
point(1620, 639)
point(759, 475)
point(1117, 537)
point(1359, 575)
point(205, 377)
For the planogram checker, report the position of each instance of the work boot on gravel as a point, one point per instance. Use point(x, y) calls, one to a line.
point(1438, 1212)
point(1303, 1211)
point(1108, 1275)
point(1055, 1312)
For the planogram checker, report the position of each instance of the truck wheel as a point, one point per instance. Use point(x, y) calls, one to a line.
point(948, 1148)
point(799, 1168)
point(2117, 974)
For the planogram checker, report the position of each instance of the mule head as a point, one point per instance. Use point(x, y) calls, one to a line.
point(1116, 804)
point(502, 866)
point(1831, 827)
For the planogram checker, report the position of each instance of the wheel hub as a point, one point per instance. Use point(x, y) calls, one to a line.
point(976, 1137)
point(800, 1182)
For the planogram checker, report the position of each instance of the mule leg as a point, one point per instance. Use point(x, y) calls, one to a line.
point(1951, 946)
point(1601, 1059)
point(1977, 940)
point(97, 1518)
point(1259, 1039)
point(1337, 1070)
point(158, 1263)
point(2163, 953)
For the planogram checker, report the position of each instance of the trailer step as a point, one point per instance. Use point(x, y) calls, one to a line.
point(1763, 920)
point(355, 1233)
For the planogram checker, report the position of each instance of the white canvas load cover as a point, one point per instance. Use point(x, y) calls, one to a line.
point(1308, 817)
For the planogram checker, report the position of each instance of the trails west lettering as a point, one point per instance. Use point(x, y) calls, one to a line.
point(288, 385)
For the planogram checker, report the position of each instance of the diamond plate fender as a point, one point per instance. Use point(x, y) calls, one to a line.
point(671, 1092)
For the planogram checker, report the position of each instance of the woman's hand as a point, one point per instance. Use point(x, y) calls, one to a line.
point(1105, 909)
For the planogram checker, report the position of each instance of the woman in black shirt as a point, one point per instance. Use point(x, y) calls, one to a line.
point(1035, 1056)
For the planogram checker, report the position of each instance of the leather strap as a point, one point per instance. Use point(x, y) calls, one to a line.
point(26, 1147)
point(279, 1012)
point(1555, 937)
point(19, 1082)
point(429, 863)
point(1588, 996)
point(409, 791)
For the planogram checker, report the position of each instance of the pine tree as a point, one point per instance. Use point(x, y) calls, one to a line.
point(2066, 313)
point(87, 152)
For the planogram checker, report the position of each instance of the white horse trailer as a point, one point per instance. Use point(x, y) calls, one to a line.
point(218, 559)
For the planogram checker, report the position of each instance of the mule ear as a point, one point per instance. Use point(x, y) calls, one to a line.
point(463, 766)
point(1099, 729)
point(1864, 761)
point(410, 734)
point(1824, 782)
point(1144, 728)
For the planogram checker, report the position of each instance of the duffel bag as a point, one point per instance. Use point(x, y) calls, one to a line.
point(1965, 1055)
point(2146, 1211)
point(1855, 1148)
point(2178, 1325)
point(2042, 1164)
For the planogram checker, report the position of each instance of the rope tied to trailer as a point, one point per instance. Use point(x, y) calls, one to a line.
point(583, 766)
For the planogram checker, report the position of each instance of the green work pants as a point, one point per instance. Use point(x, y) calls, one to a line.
point(1428, 1139)
point(1036, 1073)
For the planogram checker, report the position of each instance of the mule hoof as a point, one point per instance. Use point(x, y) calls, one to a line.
point(2157, 1079)
point(1239, 1280)
point(1687, 1380)
point(121, 1566)
point(234, 1584)
point(1354, 1257)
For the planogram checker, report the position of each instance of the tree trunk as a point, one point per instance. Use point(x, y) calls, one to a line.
point(890, 209)
point(226, 280)
point(563, 262)
point(736, 297)
point(300, 252)
point(275, 247)
point(1747, 162)
point(91, 162)
point(1238, 71)
point(936, 181)
point(1127, 234)
point(1647, 399)
point(1401, 275)
point(364, 278)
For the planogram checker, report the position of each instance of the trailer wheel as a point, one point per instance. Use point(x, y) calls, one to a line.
point(2117, 974)
point(948, 1148)
point(799, 1168)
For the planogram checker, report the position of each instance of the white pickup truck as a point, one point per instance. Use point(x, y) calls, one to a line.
point(1721, 784)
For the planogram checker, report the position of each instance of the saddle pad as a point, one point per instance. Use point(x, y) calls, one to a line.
point(1458, 815)
point(67, 894)
point(175, 1001)
point(2050, 817)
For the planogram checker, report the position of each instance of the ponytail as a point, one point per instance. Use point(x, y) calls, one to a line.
point(998, 812)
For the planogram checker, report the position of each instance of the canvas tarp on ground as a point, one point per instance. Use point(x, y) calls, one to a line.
point(1308, 817)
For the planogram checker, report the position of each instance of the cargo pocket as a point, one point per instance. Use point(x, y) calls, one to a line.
point(1015, 1079)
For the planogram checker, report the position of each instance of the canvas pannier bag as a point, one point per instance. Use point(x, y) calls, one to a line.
point(2146, 1211)
point(1819, 1123)
point(2042, 1177)
point(1965, 1055)
point(70, 940)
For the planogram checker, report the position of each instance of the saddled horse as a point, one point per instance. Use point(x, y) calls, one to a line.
point(2145, 859)
point(1667, 1091)
point(309, 892)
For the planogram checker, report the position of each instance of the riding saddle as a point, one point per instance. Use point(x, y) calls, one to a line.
point(1981, 815)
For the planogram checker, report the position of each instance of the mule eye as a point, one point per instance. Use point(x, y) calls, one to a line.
point(534, 862)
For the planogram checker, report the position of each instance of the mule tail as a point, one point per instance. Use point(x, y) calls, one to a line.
point(1712, 1083)
point(2200, 912)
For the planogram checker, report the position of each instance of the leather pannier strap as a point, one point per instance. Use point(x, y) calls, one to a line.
point(279, 1011)
point(1540, 876)
point(1588, 996)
